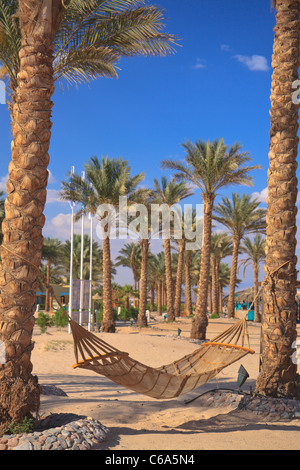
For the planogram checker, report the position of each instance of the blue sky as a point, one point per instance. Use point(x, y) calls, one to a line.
point(217, 84)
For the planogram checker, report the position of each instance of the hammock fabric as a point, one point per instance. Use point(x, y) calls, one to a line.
point(165, 382)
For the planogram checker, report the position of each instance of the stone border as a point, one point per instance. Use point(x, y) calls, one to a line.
point(80, 434)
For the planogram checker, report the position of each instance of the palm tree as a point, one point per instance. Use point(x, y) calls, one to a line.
point(97, 258)
point(278, 370)
point(169, 193)
point(105, 182)
point(256, 253)
point(157, 273)
point(51, 253)
point(221, 247)
point(241, 216)
point(130, 256)
point(39, 21)
point(209, 166)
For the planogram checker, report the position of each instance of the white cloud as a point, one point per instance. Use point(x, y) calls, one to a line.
point(255, 63)
point(51, 179)
point(3, 181)
point(199, 65)
point(262, 196)
point(53, 196)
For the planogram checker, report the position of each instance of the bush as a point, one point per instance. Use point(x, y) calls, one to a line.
point(25, 426)
point(59, 319)
point(43, 321)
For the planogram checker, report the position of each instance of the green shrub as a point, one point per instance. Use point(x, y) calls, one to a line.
point(25, 426)
point(43, 321)
point(59, 319)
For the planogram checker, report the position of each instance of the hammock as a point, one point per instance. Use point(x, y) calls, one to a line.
point(165, 382)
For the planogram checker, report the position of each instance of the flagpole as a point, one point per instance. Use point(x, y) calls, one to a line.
point(91, 273)
point(81, 259)
point(71, 255)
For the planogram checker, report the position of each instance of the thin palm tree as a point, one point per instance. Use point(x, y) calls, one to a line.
point(210, 166)
point(169, 193)
point(106, 181)
point(221, 247)
point(278, 373)
point(255, 251)
point(38, 22)
point(241, 216)
point(51, 253)
point(158, 272)
point(130, 256)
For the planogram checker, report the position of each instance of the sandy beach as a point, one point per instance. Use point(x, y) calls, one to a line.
point(137, 422)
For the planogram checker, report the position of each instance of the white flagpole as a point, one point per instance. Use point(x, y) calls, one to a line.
point(91, 273)
point(81, 261)
point(72, 204)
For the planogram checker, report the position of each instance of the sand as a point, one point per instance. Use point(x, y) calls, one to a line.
point(137, 422)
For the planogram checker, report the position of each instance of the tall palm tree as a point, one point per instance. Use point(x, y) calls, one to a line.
point(39, 21)
point(169, 193)
point(26, 197)
point(278, 371)
point(210, 166)
point(241, 216)
point(255, 253)
point(105, 182)
point(51, 253)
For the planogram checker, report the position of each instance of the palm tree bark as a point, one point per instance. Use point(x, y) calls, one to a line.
point(233, 271)
point(152, 290)
point(142, 319)
point(200, 321)
point(169, 281)
point(178, 287)
point(26, 196)
point(278, 369)
point(108, 323)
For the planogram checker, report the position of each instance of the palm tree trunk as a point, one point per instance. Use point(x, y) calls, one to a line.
point(188, 286)
point(256, 299)
point(26, 196)
point(169, 282)
point(200, 321)
point(47, 300)
point(159, 297)
point(152, 289)
point(108, 323)
point(178, 288)
point(142, 319)
point(233, 271)
point(215, 284)
point(278, 369)
point(220, 299)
